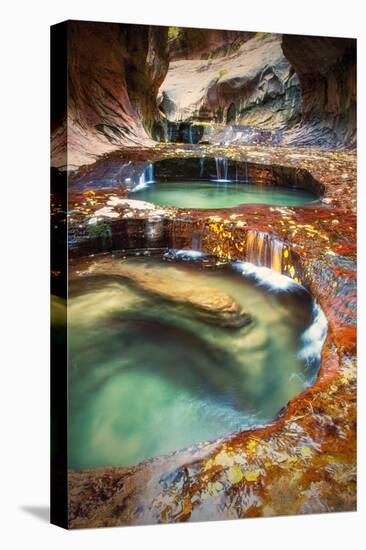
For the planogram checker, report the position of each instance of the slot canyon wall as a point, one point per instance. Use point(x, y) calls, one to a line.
point(114, 73)
point(128, 88)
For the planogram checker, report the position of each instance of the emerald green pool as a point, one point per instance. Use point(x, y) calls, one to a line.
point(219, 194)
point(168, 354)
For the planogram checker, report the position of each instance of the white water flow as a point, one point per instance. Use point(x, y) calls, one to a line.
point(145, 179)
point(190, 135)
point(246, 172)
point(221, 169)
point(170, 133)
point(264, 250)
point(202, 166)
point(148, 174)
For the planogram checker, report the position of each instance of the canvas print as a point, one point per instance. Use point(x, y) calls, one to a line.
point(203, 216)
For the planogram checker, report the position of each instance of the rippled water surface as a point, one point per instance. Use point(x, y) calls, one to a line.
point(166, 354)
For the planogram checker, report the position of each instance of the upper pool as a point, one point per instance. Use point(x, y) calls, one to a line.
point(218, 194)
point(222, 183)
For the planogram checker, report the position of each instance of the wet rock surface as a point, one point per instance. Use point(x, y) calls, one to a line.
point(304, 462)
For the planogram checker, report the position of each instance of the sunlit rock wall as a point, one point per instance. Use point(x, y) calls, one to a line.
point(133, 85)
point(254, 86)
point(301, 90)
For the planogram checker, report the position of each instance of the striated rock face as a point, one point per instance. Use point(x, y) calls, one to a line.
point(186, 43)
point(254, 86)
point(114, 74)
point(221, 87)
point(326, 68)
point(301, 89)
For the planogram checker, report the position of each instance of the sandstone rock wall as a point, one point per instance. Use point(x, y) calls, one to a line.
point(114, 73)
point(254, 86)
point(242, 88)
point(187, 43)
point(301, 87)
point(326, 68)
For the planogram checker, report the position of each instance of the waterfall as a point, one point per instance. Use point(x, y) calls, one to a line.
point(202, 166)
point(186, 240)
point(190, 135)
point(147, 175)
point(313, 338)
point(264, 250)
point(221, 169)
point(246, 172)
point(197, 238)
point(145, 178)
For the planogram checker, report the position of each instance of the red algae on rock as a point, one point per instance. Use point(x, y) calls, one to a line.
point(304, 461)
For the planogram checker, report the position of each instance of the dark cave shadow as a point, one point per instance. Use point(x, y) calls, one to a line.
point(40, 512)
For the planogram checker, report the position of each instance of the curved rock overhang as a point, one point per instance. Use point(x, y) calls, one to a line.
point(291, 90)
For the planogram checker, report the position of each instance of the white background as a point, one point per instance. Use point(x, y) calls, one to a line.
point(24, 176)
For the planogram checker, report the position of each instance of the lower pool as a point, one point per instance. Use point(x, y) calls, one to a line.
point(165, 354)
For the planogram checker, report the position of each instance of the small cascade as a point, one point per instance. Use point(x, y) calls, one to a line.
point(145, 178)
point(202, 166)
point(190, 135)
point(221, 169)
point(197, 238)
point(246, 172)
point(148, 174)
point(186, 240)
point(264, 250)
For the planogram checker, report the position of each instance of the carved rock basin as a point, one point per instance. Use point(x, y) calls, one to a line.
point(221, 352)
point(221, 183)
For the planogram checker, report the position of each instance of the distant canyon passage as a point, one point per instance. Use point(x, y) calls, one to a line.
point(133, 86)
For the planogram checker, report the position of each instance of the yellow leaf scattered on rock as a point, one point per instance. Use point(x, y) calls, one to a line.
point(252, 475)
point(234, 474)
point(252, 445)
point(224, 459)
point(306, 452)
point(214, 487)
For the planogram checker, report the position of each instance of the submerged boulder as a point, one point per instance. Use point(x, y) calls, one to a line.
point(211, 304)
